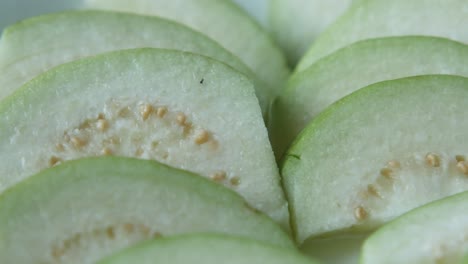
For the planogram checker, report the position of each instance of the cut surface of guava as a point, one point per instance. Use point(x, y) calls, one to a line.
point(378, 153)
point(30, 47)
point(381, 18)
point(296, 23)
point(207, 248)
point(433, 233)
point(366, 62)
point(87, 209)
point(226, 23)
point(182, 109)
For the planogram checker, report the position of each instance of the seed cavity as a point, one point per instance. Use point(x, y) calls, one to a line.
point(102, 125)
point(54, 161)
point(387, 173)
point(235, 181)
point(125, 112)
point(360, 213)
point(77, 142)
point(462, 166)
point(460, 158)
point(202, 137)
point(106, 151)
point(145, 111)
point(218, 176)
point(161, 111)
point(139, 152)
point(181, 118)
point(433, 160)
point(109, 233)
point(372, 190)
point(59, 147)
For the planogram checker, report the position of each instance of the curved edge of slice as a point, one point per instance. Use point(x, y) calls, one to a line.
point(207, 248)
point(358, 65)
point(83, 210)
point(179, 108)
point(371, 19)
point(376, 154)
point(433, 233)
point(29, 47)
point(226, 23)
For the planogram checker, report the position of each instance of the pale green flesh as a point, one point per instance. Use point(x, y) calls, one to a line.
point(84, 210)
point(309, 92)
point(434, 233)
point(369, 151)
point(341, 249)
point(296, 23)
point(207, 248)
point(227, 24)
point(380, 18)
point(56, 117)
point(31, 47)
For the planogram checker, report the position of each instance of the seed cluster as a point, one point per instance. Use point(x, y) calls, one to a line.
point(117, 130)
point(107, 233)
point(222, 177)
point(388, 175)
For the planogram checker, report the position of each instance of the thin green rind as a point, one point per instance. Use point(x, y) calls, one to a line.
point(224, 103)
point(79, 197)
point(434, 233)
point(358, 65)
point(295, 24)
point(226, 23)
point(379, 18)
point(207, 248)
point(30, 47)
point(327, 142)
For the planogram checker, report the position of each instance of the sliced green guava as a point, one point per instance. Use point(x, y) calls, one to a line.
point(182, 109)
point(378, 153)
point(87, 209)
point(30, 47)
point(381, 18)
point(228, 24)
point(433, 233)
point(296, 23)
point(207, 248)
point(366, 62)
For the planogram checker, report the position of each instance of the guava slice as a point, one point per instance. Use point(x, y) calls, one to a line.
point(380, 18)
point(185, 110)
point(295, 24)
point(226, 23)
point(30, 47)
point(376, 154)
point(87, 209)
point(434, 233)
point(366, 62)
point(207, 248)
